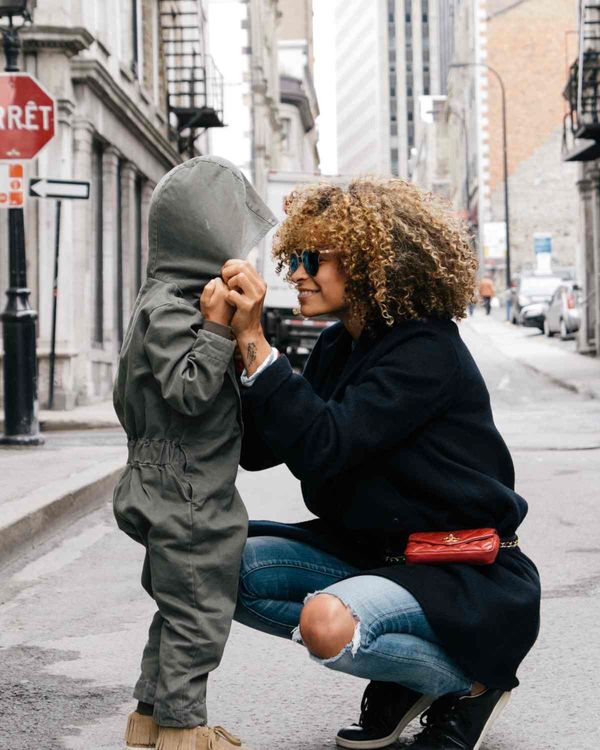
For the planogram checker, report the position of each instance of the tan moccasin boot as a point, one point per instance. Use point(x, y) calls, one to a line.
point(198, 738)
point(142, 731)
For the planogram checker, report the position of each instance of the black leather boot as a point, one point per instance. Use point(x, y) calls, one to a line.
point(385, 710)
point(460, 722)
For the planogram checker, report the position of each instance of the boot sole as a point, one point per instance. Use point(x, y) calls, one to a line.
point(415, 710)
point(498, 708)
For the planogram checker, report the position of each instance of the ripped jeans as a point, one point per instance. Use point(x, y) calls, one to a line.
point(393, 642)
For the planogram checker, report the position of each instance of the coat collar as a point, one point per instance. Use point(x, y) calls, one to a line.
point(340, 345)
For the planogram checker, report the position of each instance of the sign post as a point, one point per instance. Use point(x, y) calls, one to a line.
point(60, 189)
point(27, 117)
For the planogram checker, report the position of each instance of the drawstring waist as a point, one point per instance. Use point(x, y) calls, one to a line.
point(155, 453)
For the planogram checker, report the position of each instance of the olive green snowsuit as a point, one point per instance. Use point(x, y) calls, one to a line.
point(177, 397)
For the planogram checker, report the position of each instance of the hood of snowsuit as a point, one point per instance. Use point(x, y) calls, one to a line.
point(203, 212)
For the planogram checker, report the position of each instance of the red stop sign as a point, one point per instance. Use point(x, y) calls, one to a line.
point(27, 115)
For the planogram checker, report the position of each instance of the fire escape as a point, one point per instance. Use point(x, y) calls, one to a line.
point(194, 84)
point(581, 134)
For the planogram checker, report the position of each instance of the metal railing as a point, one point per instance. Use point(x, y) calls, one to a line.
point(194, 83)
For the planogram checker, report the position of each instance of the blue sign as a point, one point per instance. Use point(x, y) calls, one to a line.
point(542, 243)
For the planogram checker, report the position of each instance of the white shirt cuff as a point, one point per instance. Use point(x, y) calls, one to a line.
point(248, 381)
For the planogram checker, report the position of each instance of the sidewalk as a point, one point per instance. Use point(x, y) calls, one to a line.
point(45, 486)
point(554, 359)
point(94, 416)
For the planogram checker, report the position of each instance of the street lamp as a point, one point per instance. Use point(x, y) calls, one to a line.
point(505, 165)
point(21, 426)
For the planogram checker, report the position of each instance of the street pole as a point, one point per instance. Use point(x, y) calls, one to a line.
point(54, 307)
point(21, 425)
point(505, 170)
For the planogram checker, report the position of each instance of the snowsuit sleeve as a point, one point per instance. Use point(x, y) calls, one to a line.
point(318, 439)
point(188, 362)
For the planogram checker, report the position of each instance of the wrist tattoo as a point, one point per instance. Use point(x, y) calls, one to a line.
point(251, 350)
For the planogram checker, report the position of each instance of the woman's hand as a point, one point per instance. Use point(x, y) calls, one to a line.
point(213, 303)
point(247, 292)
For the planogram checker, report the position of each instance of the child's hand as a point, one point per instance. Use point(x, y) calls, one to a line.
point(213, 303)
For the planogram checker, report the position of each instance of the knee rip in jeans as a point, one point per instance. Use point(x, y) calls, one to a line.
point(351, 647)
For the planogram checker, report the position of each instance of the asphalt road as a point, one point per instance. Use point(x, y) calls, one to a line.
point(73, 619)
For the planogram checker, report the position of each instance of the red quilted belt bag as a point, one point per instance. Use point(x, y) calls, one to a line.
point(472, 547)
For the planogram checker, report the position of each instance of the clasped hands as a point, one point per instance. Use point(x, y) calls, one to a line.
point(236, 299)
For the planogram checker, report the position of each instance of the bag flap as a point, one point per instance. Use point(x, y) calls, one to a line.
point(451, 538)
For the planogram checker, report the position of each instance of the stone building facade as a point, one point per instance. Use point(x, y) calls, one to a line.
point(106, 65)
point(298, 104)
point(265, 50)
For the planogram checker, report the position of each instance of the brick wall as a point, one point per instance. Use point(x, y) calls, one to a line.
point(526, 44)
point(543, 198)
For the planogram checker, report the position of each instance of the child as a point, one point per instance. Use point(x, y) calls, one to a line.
point(177, 397)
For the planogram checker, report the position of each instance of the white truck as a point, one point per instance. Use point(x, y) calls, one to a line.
point(284, 327)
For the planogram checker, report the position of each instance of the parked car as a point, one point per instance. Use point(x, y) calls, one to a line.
point(530, 299)
point(564, 311)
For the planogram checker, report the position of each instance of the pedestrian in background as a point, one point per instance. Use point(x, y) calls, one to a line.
point(177, 397)
point(390, 431)
point(487, 290)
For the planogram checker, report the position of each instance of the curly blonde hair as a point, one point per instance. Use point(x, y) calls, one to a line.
point(405, 254)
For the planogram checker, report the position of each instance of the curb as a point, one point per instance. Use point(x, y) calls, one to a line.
point(28, 521)
point(49, 425)
point(57, 425)
point(581, 389)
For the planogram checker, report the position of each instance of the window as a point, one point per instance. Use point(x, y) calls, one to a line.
point(98, 212)
point(131, 48)
point(393, 128)
point(119, 259)
point(286, 133)
point(135, 41)
point(139, 271)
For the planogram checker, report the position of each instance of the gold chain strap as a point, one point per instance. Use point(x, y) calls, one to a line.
point(400, 558)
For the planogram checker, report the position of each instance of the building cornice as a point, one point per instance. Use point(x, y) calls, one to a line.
point(292, 92)
point(93, 74)
point(71, 40)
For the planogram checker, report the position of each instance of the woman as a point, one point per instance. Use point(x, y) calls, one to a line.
point(390, 431)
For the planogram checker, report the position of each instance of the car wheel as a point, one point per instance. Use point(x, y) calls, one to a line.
point(564, 331)
point(547, 331)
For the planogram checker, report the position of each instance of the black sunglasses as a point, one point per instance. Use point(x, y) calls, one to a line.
point(309, 259)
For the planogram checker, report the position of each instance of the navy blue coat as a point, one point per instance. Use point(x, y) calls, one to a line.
point(394, 437)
